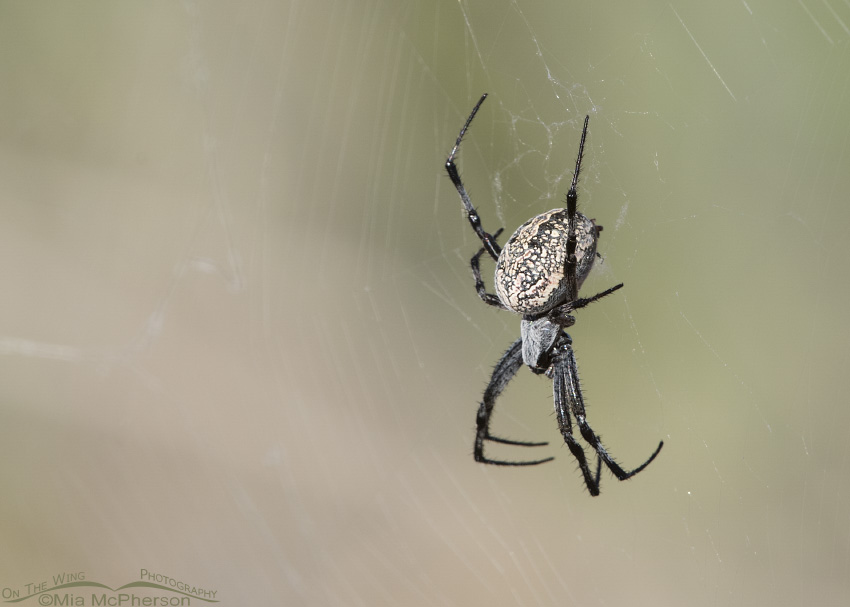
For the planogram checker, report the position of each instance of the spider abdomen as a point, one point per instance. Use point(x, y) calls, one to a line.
point(531, 270)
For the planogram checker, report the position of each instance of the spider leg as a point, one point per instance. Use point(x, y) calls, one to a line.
point(572, 201)
point(474, 220)
point(562, 409)
point(475, 264)
point(560, 315)
point(568, 399)
point(584, 301)
point(505, 370)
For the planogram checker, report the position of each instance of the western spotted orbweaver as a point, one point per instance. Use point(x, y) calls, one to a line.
point(539, 272)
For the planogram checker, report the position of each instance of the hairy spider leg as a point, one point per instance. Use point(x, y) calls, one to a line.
point(560, 315)
point(572, 201)
point(505, 370)
point(475, 264)
point(474, 220)
point(559, 387)
point(568, 399)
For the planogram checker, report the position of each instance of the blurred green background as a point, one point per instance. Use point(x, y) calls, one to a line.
point(241, 345)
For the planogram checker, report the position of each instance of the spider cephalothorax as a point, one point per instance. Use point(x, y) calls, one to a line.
point(538, 275)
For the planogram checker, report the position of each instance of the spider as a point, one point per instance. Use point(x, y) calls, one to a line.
point(539, 272)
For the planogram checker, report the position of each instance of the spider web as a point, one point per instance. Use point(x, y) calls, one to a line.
point(241, 344)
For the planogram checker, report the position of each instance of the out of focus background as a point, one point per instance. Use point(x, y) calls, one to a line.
point(240, 346)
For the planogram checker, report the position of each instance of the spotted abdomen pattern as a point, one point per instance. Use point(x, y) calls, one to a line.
point(531, 270)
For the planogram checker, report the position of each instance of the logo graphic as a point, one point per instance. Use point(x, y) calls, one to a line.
point(73, 590)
